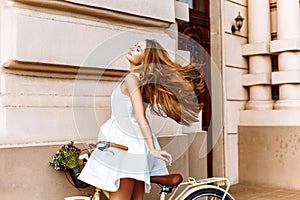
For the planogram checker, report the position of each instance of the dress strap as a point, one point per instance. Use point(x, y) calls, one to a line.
point(138, 75)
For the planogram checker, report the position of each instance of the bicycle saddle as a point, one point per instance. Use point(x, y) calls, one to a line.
point(171, 180)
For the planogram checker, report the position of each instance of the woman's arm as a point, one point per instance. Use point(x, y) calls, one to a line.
point(133, 87)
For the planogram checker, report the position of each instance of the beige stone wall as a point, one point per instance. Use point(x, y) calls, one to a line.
point(60, 61)
point(217, 120)
point(235, 95)
point(269, 156)
point(26, 170)
point(54, 54)
point(27, 174)
point(268, 127)
point(41, 110)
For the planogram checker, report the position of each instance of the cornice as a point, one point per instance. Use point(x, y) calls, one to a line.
point(62, 71)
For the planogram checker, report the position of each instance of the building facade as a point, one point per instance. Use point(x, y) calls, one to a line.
point(60, 61)
point(268, 127)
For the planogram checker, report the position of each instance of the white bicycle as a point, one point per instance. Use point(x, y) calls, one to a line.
point(172, 185)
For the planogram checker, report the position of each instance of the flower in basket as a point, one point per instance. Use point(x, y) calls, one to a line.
point(66, 157)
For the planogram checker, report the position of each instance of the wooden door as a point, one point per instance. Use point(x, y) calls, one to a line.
point(194, 36)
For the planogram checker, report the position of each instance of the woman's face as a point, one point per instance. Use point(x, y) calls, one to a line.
point(136, 53)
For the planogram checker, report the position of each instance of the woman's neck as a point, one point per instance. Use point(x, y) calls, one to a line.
point(132, 66)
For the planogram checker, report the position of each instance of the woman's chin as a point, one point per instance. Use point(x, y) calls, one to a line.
point(127, 57)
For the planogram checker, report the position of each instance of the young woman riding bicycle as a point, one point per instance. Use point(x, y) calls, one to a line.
point(169, 90)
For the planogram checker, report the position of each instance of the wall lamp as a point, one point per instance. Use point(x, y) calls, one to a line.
point(238, 23)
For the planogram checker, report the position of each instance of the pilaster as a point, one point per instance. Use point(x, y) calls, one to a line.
point(287, 47)
point(259, 78)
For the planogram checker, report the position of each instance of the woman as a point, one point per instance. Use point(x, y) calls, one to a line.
point(169, 90)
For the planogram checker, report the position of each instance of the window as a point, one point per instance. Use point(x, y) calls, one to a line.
point(199, 5)
point(189, 2)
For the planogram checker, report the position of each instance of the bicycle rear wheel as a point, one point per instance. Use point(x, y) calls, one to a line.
point(208, 194)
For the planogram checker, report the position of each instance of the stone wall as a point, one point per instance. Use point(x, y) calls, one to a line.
point(26, 169)
point(60, 61)
point(269, 125)
point(233, 68)
point(268, 156)
point(59, 68)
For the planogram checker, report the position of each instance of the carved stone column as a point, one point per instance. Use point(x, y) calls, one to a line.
point(260, 65)
point(288, 47)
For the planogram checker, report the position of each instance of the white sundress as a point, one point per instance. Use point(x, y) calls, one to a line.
point(105, 168)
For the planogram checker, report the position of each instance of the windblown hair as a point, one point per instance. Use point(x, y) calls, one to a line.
point(170, 89)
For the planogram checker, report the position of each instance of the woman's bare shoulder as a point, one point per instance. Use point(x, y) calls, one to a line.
point(132, 77)
point(134, 74)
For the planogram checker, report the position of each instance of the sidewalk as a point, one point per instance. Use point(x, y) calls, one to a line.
point(244, 192)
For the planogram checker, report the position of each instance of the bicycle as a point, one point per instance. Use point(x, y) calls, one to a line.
point(203, 189)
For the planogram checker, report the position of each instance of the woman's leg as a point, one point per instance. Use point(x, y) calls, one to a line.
point(125, 190)
point(138, 190)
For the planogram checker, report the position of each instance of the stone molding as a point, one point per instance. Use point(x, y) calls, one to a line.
point(284, 77)
point(259, 105)
point(256, 79)
point(269, 117)
point(260, 48)
point(62, 71)
point(278, 46)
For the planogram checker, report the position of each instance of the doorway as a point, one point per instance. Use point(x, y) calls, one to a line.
point(194, 36)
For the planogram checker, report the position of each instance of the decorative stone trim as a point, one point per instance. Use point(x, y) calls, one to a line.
point(284, 77)
point(259, 105)
point(256, 79)
point(259, 48)
point(277, 46)
point(269, 118)
point(290, 104)
point(62, 71)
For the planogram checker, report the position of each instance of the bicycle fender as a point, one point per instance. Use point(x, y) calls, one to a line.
point(185, 194)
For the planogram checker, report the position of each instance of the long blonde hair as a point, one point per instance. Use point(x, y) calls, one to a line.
point(170, 89)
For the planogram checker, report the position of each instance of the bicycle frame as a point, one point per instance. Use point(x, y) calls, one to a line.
point(191, 185)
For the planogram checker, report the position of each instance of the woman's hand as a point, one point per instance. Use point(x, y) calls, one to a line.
point(163, 155)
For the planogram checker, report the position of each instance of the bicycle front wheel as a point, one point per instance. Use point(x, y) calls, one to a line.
point(208, 194)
